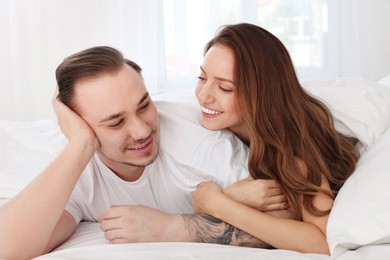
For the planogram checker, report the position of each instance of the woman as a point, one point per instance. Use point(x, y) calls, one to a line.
point(248, 84)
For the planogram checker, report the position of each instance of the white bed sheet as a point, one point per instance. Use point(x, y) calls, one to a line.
point(88, 243)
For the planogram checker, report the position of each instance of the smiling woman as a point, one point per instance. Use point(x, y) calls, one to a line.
point(216, 79)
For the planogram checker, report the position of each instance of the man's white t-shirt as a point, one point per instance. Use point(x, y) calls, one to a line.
point(188, 154)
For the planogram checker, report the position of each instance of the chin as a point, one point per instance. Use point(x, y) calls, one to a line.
point(209, 126)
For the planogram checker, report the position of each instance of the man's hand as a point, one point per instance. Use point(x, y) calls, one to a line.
point(263, 195)
point(131, 224)
point(72, 125)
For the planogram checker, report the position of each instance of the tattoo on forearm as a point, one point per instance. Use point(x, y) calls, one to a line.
point(207, 229)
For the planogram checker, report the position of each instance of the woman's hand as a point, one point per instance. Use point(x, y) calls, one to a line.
point(206, 197)
point(72, 125)
point(263, 195)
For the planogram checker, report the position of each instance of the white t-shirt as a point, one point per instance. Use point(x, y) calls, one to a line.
point(188, 154)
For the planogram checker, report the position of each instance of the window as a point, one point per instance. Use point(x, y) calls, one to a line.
point(302, 26)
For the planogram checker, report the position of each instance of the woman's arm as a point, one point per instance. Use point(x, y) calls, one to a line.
point(308, 236)
point(263, 195)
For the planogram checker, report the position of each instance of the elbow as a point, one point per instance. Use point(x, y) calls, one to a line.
point(15, 252)
point(325, 250)
point(320, 248)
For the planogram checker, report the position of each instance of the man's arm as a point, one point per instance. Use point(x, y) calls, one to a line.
point(207, 229)
point(137, 223)
point(34, 222)
point(29, 220)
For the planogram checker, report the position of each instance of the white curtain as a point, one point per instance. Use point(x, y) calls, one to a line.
point(364, 38)
point(37, 35)
point(163, 38)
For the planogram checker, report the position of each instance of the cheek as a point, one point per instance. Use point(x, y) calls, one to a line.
point(151, 118)
point(231, 106)
point(111, 139)
point(198, 89)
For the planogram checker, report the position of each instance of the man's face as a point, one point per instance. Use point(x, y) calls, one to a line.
point(118, 108)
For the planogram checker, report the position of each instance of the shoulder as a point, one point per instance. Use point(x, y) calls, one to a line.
point(182, 135)
point(182, 139)
point(91, 175)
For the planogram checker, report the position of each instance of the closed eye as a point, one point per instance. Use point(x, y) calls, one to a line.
point(116, 124)
point(225, 89)
point(144, 106)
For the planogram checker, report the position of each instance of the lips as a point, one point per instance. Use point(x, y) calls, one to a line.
point(142, 148)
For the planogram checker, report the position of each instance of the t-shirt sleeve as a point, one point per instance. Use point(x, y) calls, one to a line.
point(221, 158)
point(73, 208)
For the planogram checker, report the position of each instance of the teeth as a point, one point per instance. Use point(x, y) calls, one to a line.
point(210, 111)
point(139, 147)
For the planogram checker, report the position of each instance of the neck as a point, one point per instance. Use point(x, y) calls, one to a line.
point(241, 134)
point(123, 170)
point(129, 173)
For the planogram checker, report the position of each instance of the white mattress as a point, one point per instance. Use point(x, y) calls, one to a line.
point(88, 243)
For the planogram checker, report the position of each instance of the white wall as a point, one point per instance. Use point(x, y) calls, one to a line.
point(37, 35)
point(365, 38)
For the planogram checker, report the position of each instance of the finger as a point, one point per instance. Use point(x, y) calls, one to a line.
point(59, 106)
point(273, 192)
point(113, 234)
point(272, 184)
point(277, 199)
point(120, 241)
point(200, 184)
point(56, 92)
point(110, 224)
point(110, 213)
point(276, 206)
point(204, 183)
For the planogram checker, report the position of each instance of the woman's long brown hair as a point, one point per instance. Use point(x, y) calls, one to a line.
point(286, 125)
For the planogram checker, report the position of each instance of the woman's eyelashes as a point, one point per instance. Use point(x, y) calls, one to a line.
point(201, 78)
point(221, 87)
point(225, 89)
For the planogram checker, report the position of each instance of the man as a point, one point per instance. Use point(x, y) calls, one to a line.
point(113, 164)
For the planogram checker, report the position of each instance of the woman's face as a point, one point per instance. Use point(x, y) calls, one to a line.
point(217, 92)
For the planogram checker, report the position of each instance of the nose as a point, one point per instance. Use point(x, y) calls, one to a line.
point(138, 129)
point(205, 93)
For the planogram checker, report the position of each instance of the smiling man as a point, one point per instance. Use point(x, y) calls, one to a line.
point(115, 170)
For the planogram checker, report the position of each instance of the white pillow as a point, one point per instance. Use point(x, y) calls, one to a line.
point(361, 212)
point(361, 107)
point(25, 149)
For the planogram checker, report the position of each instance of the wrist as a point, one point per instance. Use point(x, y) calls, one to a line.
point(82, 149)
point(177, 230)
point(216, 204)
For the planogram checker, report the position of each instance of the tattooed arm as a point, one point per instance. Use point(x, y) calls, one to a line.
point(207, 229)
point(137, 223)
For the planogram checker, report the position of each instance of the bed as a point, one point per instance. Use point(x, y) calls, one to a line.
point(359, 223)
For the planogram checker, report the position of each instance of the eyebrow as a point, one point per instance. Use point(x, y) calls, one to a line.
point(219, 78)
point(117, 115)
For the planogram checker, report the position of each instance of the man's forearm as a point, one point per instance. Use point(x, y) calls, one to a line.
point(207, 229)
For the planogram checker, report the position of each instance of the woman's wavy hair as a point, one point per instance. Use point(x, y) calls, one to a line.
point(286, 125)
